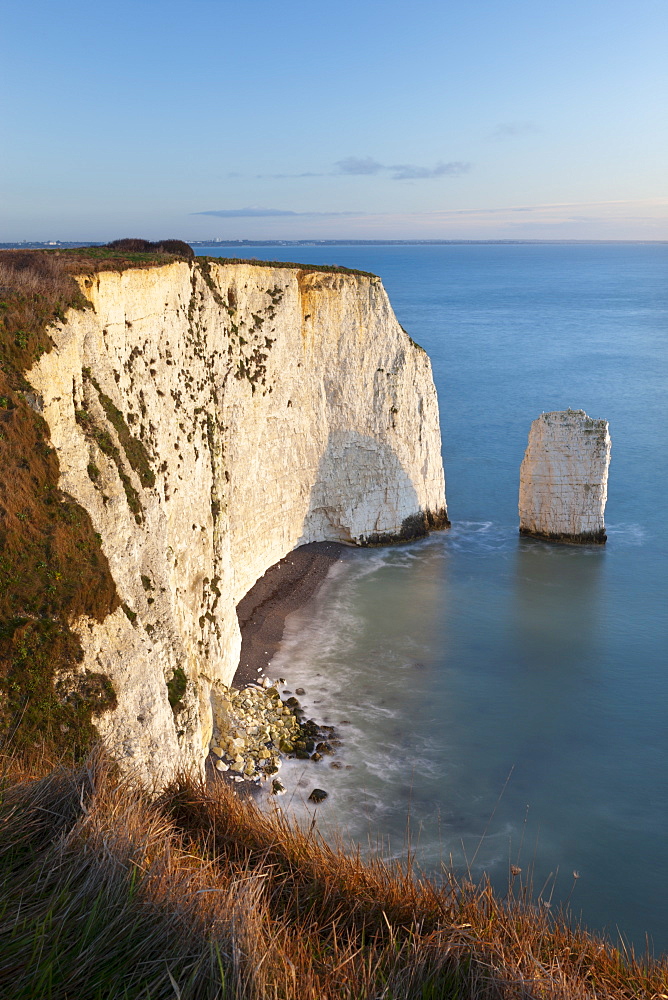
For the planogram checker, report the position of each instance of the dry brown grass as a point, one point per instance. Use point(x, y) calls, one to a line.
point(36, 287)
point(52, 569)
point(108, 893)
point(31, 272)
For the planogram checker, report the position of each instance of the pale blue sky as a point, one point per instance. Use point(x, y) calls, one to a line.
point(458, 119)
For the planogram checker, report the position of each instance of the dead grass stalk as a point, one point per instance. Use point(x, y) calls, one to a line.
point(108, 893)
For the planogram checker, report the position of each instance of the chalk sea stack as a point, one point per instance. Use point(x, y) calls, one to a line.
point(564, 478)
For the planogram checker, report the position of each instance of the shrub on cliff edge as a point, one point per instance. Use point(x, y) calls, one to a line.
point(136, 245)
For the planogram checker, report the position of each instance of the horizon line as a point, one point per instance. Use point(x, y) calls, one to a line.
point(9, 244)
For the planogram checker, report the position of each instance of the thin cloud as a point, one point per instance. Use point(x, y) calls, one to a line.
point(266, 213)
point(280, 177)
point(366, 166)
point(359, 165)
point(409, 172)
point(511, 130)
point(555, 206)
point(551, 208)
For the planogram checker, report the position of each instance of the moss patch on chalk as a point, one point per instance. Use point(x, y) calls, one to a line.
point(106, 445)
point(176, 688)
point(38, 707)
point(134, 449)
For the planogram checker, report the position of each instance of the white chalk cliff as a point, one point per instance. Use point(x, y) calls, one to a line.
point(273, 407)
point(564, 478)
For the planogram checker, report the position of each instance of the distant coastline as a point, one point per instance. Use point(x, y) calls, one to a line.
point(67, 245)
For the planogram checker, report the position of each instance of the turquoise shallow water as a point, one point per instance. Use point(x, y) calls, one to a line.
point(509, 696)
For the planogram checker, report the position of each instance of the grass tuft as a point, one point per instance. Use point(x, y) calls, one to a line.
point(106, 892)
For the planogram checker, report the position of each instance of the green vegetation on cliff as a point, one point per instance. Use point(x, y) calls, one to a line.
point(52, 569)
point(304, 268)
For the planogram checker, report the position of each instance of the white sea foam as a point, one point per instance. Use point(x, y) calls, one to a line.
point(625, 534)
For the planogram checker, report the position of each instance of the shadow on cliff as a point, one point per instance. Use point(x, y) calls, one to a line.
point(364, 496)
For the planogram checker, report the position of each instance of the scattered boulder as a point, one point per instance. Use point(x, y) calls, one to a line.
point(254, 728)
point(318, 795)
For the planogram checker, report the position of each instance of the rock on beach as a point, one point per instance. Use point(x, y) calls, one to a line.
point(255, 727)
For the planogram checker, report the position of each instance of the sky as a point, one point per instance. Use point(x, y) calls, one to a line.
point(374, 119)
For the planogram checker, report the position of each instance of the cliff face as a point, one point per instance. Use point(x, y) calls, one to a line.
point(211, 417)
point(564, 478)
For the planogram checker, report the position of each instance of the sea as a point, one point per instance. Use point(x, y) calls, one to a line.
point(504, 701)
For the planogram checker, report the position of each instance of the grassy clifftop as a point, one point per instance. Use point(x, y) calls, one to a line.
point(106, 894)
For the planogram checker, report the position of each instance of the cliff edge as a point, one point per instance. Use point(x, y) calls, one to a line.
point(209, 417)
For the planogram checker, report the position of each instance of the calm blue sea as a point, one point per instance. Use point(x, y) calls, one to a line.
point(505, 701)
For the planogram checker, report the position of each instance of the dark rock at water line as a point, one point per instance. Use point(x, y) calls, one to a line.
point(318, 795)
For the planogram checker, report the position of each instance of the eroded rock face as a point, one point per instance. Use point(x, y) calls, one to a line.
point(564, 478)
point(210, 418)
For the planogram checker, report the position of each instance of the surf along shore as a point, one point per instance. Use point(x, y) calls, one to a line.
point(256, 727)
point(284, 588)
